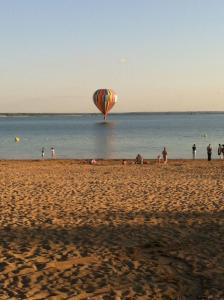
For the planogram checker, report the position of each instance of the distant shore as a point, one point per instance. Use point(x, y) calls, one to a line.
point(111, 114)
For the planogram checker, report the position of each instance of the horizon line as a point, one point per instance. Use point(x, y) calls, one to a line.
point(113, 113)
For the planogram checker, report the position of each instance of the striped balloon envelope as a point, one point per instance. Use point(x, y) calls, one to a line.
point(104, 99)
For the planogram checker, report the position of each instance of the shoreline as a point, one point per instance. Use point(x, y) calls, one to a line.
point(84, 160)
point(115, 162)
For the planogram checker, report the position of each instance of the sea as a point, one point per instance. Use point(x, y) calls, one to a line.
point(86, 136)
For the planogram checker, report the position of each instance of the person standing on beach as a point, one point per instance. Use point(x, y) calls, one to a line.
point(222, 155)
point(42, 152)
point(220, 151)
point(209, 152)
point(52, 152)
point(165, 154)
point(194, 151)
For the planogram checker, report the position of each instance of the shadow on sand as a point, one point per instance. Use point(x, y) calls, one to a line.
point(145, 256)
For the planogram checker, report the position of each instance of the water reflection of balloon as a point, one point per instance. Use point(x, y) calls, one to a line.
point(110, 124)
point(104, 99)
point(104, 139)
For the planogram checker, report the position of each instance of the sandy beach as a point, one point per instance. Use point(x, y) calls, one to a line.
point(70, 230)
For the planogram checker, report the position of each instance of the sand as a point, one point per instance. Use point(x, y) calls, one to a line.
point(69, 230)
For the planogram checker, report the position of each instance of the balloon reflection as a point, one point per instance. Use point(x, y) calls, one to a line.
point(104, 141)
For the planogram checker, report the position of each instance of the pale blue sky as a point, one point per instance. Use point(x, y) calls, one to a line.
point(158, 55)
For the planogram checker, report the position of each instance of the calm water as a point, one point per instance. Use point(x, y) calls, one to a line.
point(123, 136)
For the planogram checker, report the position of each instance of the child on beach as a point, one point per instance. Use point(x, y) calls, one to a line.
point(92, 162)
point(52, 152)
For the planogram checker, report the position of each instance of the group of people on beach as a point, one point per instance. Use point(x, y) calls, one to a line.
point(139, 159)
point(209, 151)
point(163, 157)
point(53, 154)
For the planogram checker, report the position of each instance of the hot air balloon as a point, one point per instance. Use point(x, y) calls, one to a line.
point(104, 99)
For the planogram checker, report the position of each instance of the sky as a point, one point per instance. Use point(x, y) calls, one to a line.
point(158, 55)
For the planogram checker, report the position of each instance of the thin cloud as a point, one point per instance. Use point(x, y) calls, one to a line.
point(123, 60)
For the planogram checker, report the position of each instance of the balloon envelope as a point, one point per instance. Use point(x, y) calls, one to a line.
point(104, 99)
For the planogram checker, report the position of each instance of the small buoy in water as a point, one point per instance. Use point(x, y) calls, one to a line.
point(17, 139)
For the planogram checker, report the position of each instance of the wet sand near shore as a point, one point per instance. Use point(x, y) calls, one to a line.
point(70, 230)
